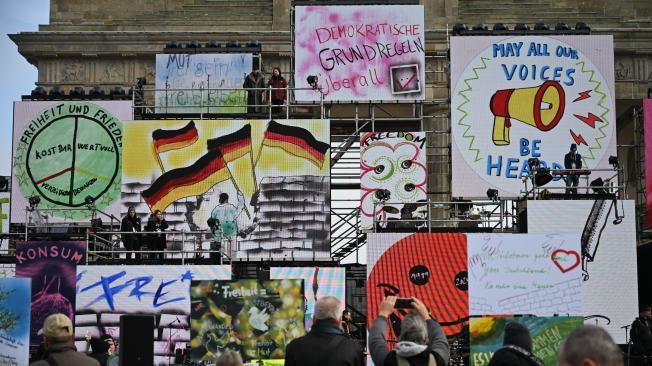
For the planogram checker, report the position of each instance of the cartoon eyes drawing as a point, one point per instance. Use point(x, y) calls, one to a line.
point(379, 169)
point(410, 187)
point(406, 164)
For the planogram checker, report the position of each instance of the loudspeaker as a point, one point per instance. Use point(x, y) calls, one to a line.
point(540, 106)
point(136, 340)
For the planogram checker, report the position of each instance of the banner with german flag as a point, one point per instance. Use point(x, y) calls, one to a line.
point(296, 141)
point(166, 140)
point(193, 180)
point(234, 145)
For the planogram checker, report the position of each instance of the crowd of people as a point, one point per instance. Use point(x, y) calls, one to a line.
point(421, 342)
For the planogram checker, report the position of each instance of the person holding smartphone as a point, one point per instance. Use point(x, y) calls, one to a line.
point(422, 341)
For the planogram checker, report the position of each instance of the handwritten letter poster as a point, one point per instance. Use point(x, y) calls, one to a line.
point(524, 274)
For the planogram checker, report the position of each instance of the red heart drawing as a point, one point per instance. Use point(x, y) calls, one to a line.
point(565, 253)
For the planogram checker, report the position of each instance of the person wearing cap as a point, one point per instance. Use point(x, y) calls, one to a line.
point(58, 339)
point(131, 224)
point(517, 348)
point(641, 335)
point(572, 160)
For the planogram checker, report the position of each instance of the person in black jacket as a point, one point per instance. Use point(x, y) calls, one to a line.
point(158, 225)
point(517, 348)
point(254, 84)
point(572, 160)
point(421, 340)
point(641, 334)
point(325, 344)
point(132, 242)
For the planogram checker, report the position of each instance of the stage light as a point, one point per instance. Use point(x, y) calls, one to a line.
point(89, 200)
point(97, 91)
point(562, 27)
point(56, 91)
point(597, 186)
point(173, 44)
point(312, 81)
point(500, 27)
point(232, 44)
point(39, 91)
point(253, 43)
point(533, 163)
point(383, 195)
point(522, 27)
point(117, 90)
point(582, 26)
point(459, 28)
point(213, 44)
point(613, 161)
point(34, 201)
point(77, 91)
point(4, 184)
point(193, 44)
point(480, 27)
point(541, 27)
point(492, 194)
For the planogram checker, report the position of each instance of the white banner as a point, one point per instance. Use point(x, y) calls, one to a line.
point(515, 98)
point(360, 52)
point(524, 274)
point(609, 286)
point(193, 72)
point(106, 292)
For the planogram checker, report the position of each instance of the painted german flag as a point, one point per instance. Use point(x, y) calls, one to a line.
point(296, 141)
point(192, 180)
point(233, 145)
point(166, 140)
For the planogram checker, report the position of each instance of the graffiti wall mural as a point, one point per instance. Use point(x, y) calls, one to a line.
point(393, 179)
point(106, 292)
point(608, 249)
point(15, 299)
point(65, 152)
point(360, 52)
point(265, 184)
point(182, 81)
point(516, 98)
point(430, 267)
point(256, 319)
point(318, 282)
point(52, 267)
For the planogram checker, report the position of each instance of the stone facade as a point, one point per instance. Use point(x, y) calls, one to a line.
point(108, 43)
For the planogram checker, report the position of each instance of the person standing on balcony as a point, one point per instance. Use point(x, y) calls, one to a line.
point(254, 84)
point(278, 92)
point(132, 242)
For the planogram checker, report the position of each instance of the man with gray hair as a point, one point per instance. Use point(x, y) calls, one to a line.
point(590, 345)
point(326, 343)
point(421, 341)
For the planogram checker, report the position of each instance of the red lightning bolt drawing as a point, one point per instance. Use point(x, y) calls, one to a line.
point(578, 138)
point(589, 120)
point(583, 95)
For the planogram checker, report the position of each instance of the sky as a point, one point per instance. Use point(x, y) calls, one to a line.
point(18, 76)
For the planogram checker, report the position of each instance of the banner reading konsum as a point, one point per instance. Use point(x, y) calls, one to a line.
point(360, 52)
point(65, 152)
point(515, 98)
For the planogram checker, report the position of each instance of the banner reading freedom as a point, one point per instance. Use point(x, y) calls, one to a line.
point(360, 52)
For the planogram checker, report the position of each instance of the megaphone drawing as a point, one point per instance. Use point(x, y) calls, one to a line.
point(540, 106)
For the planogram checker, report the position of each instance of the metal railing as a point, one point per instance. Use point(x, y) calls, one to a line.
point(203, 107)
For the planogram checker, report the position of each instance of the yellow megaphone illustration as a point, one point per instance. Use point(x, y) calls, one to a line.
point(540, 106)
